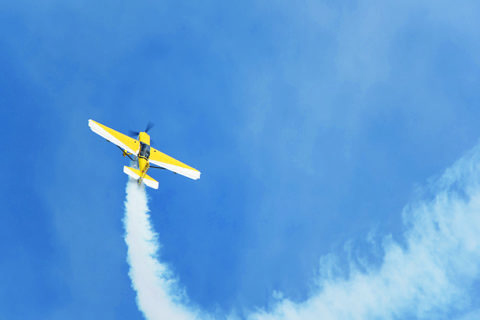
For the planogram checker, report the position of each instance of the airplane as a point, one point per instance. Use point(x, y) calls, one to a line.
point(145, 155)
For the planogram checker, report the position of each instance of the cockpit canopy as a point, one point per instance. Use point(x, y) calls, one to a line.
point(144, 150)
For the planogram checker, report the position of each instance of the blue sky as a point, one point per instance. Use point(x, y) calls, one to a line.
point(314, 124)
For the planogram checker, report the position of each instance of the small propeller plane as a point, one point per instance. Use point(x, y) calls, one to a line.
point(143, 153)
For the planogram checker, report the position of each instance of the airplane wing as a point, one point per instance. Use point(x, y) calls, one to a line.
point(162, 160)
point(115, 137)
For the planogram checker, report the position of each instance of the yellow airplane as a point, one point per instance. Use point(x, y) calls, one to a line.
point(144, 153)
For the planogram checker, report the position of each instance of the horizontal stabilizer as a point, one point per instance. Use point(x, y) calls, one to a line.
point(136, 174)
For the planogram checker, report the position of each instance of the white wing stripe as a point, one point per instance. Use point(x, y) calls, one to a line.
point(105, 134)
point(192, 174)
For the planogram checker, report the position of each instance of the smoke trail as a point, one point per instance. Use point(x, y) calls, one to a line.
point(157, 294)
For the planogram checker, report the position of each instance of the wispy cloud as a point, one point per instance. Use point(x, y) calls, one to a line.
point(427, 274)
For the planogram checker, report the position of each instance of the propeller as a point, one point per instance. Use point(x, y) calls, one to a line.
point(135, 134)
point(149, 126)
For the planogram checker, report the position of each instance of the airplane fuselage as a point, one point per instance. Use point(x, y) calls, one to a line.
point(143, 154)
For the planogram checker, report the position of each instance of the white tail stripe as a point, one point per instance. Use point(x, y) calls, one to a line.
point(133, 173)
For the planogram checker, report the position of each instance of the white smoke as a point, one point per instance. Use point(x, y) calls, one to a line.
point(158, 296)
point(428, 275)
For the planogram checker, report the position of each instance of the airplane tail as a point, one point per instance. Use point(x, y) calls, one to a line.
point(136, 174)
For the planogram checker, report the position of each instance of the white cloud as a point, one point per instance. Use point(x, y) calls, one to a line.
point(427, 277)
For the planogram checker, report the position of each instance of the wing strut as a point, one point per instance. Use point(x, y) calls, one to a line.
point(155, 167)
point(127, 154)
